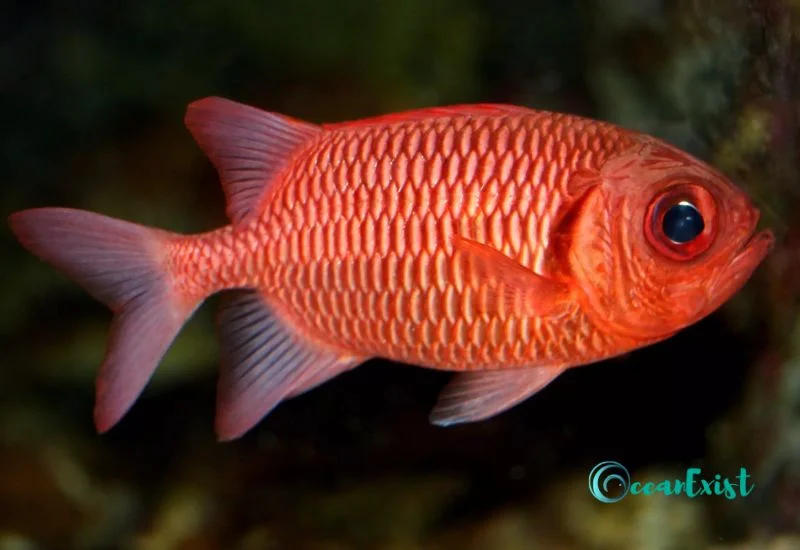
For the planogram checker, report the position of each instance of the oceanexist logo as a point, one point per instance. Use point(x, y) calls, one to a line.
point(610, 482)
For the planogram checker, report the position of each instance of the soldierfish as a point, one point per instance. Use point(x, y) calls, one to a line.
point(505, 243)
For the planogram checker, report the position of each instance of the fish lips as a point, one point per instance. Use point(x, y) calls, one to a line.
point(744, 263)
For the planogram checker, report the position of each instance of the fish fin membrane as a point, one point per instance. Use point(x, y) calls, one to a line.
point(122, 265)
point(264, 361)
point(323, 376)
point(426, 113)
point(473, 396)
point(248, 147)
point(508, 286)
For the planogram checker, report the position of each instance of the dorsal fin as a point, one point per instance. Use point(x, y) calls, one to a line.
point(246, 145)
point(475, 109)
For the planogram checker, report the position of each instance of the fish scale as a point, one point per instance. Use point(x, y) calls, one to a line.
point(362, 249)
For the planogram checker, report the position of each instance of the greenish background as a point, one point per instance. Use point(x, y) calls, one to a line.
point(92, 96)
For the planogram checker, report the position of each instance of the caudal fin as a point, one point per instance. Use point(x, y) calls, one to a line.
point(123, 265)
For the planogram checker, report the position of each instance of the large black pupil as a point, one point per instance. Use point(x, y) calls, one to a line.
point(682, 223)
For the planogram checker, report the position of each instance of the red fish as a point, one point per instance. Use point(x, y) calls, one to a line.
point(498, 241)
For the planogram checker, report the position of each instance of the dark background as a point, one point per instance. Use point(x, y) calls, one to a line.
point(92, 97)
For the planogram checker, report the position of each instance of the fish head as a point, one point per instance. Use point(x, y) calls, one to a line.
point(661, 241)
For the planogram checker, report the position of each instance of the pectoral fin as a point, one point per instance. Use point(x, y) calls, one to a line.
point(509, 284)
point(473, 396)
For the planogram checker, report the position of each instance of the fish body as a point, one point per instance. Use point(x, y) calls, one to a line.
point(497, 240)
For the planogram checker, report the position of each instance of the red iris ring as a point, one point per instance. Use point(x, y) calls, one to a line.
point(698, 197)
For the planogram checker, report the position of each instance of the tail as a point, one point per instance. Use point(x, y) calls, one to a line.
point(123, 265)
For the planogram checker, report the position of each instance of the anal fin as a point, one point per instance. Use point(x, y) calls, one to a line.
point(343, 365)
point(264, 361)
point(473, 396)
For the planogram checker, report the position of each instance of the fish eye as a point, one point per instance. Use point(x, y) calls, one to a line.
point(680, 222)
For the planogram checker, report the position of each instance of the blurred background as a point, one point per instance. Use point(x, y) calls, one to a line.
point(92, 97)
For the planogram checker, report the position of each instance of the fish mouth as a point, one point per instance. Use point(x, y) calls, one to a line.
point(753, 251)
point(733, 276)
point(759, 245)
point(745, 262)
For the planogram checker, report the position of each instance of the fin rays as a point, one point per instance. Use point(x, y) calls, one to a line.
point(264, 362)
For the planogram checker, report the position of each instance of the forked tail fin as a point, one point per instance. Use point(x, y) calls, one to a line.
point(123, 265)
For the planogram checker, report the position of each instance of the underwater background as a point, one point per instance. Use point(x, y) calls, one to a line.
point(92, 97)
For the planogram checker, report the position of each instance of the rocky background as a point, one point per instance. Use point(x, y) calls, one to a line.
point(92, 97)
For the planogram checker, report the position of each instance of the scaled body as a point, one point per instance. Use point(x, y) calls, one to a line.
point(355, 243)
